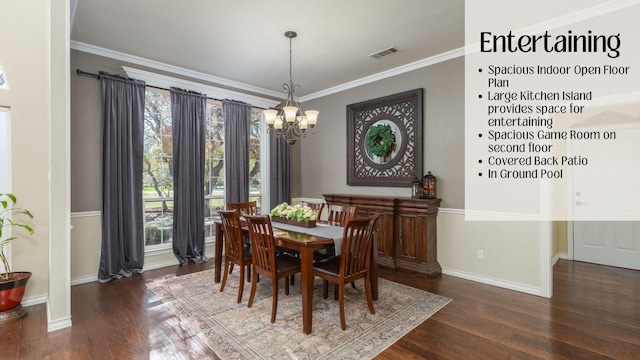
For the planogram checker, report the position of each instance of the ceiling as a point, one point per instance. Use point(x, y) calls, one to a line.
point(243, 40)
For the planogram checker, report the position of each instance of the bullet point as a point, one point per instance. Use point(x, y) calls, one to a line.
point(479, 70)
point(480, 161)
point(479, 174)
point(480, 96)
point(479, 135)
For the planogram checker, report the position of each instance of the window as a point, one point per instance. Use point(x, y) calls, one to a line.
point(158, 161)
point(213, 166)
point(157, 192)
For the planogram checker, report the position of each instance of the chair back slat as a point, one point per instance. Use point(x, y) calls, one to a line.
point(263, 250)
point(249, 207)
point(340, 214)
point(232, 232)
point(356, 245)
point(317, 207)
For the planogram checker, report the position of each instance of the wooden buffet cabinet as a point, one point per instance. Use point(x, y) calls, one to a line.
point(407, 237)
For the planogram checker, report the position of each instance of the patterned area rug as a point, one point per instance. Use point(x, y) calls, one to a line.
point(235, 331)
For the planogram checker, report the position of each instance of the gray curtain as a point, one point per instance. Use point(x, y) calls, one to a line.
point(279, 170)
point(188, 111)
point(122, 251)
point(237, 119)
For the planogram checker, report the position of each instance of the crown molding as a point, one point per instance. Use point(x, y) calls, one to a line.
point(96, 50)
point(91, 49)
point(452, 54)
point(167, 82)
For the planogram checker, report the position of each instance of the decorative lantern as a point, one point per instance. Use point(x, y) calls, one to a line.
point(416, 189)
point(429, 185)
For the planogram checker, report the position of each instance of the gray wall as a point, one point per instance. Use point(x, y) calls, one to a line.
point(86, 132)
point(322, 165)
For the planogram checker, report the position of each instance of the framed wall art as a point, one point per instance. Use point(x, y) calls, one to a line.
point(384, 140)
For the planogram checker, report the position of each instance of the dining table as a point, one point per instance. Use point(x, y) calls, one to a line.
point(305, 241)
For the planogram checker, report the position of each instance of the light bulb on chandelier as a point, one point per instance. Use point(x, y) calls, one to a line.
point(291, 122)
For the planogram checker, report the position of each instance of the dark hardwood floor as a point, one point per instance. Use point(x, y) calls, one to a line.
point(594, 314)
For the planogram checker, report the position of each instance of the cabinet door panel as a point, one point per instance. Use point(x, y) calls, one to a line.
point(412, 238)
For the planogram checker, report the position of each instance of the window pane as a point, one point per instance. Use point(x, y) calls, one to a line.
point(213, 167)
point(158, 160)
point(255, 175)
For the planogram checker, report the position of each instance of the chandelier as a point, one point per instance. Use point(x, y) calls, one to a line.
point(291, 122)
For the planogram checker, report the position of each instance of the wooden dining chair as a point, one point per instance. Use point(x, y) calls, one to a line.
point(353, 263)
point(248, 207)
point(315, 206)
point(266, 262)
point(340, 213)
point(234, 250)
point(337, 214)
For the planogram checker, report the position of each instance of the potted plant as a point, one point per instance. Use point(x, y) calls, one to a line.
point(12, 284)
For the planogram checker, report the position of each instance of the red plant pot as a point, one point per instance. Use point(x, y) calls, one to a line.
point(12, 290)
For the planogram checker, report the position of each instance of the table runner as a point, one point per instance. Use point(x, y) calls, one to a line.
point(321, 230)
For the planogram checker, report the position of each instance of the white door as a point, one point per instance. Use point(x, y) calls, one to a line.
point(606, 195)
point(614, 243)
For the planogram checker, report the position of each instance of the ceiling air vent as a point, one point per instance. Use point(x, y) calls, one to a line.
point(384, 53)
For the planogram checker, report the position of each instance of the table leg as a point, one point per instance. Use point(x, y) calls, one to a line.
point(373, 268)
point(218, 253)
point(306, 282)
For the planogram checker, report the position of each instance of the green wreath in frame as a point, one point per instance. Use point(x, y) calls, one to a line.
point(380, 140)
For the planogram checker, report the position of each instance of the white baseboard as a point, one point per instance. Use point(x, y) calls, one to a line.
point(159, 265)
point(494, 282)
point(557, 257)
point(59, 325)
point(94, 277)
point(84, 279)
point(34, 300)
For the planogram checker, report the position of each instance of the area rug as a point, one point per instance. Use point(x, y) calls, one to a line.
point(234, 331)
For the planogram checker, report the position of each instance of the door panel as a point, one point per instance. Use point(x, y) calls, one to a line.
point(614, 243)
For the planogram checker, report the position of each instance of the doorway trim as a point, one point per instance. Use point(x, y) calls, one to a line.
point(5, 164)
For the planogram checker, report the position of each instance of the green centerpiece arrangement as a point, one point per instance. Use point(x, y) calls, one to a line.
point(294, 215)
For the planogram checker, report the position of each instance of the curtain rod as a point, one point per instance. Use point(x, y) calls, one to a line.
point(96, 76)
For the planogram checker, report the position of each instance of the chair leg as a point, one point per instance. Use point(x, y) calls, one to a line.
point(241, 285)
point(253, 288)
point(274, 303)
point(231, 268)
point(353, 284)
point(367, 291)
point(248, 273)
point(224, 276)
point(336, 291)
point(286, 285)
point(293, 279)
point(325, 289)
point(342, 321)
